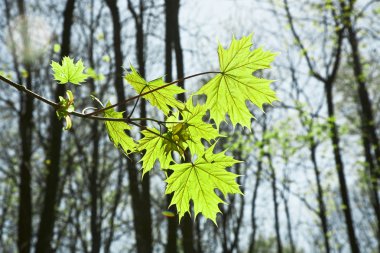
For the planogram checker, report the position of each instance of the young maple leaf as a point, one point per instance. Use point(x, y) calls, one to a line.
point(194, 127)
point(163, 98)
point(228, 91)
point(116, 131)
point(197, 182)
point(156, 149)
point(69, 71)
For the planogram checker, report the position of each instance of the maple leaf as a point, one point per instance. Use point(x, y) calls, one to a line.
point(192, 128)
point(69, 71)
point(228, 91)
point(116, 131)
point(163, 98)
point(155, 146)
point(197, 182)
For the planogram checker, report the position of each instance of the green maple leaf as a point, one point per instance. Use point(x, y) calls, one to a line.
point(228, 91)
point(194, 129)
point(156, 148)
point(197, 182)
point(69, 71)
point(116, 131)
point(163, 99)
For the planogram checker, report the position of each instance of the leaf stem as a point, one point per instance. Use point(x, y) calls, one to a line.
point(92, 114)
point(148, 92)
point(22, 88)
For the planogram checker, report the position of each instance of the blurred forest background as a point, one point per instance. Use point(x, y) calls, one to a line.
point(312, 162)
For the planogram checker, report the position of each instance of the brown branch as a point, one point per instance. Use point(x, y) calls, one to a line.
point(148, 92)
point(92, 114)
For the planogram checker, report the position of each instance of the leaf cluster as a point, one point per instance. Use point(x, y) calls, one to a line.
point(185, 142)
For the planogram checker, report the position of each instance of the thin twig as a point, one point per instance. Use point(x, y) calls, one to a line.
point(148, 92)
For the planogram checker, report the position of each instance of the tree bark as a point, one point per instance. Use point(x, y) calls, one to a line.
point(96, 219)
point(24, 226)
point(275, 204)
point(328, 82)
point(146, 225)
point(47, 219)
point(340, 169)
point(173, 42)
point(368, 130)
point(139, 221)
point(252, 242)
point(320, 196)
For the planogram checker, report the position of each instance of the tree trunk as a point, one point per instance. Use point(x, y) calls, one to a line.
point(340, 170)
point(253, 207)
point(141, 219)
point(172, 13)
point(146, 225)
point(369, 136)
point(275, 204)
point(320, 196)
point(47, 219)
point(96, 220)
point(24, 226)
point(288, 223)
point(252, 242)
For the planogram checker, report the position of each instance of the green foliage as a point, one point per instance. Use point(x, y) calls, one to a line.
point(228, 91)
point(69, 71)
point(156, 147)
point(186, 133)
point(94, 75)
point(163, 99)
point(57, 48)
point(117, 131)
point(66, 107)
point(197, 182)
point(193, 127)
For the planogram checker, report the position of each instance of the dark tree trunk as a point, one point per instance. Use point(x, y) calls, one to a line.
point(275, 204)
point(96, 220)
point(368, 129)
point(25, 200)
point(146, 225)
point(288, 223)
point(253, 206)
point(47, 219)
point(252, 242)
point(118, 187)
point(328, 82)
point(340, 169)
point(171, 244)
point(237, 224)
point(118, 55)
point(370, 139)
point(173, 42)
point(320, 196)
point(143, 243)
point(176, 39)
point(24, 226)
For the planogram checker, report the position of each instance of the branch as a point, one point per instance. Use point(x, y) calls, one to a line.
point(299, 42)
point(148, 92)
point(29, 92)
point(92, 114)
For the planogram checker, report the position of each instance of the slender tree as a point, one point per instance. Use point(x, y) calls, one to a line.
point(369, 136)
point(140, 45)
point(142, 235)
point(24, 227)
point(48, 214)
point(173, 43)
point(95, 180)
point(328, 82)
point(273, 176)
